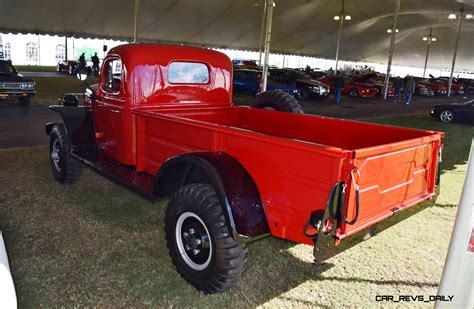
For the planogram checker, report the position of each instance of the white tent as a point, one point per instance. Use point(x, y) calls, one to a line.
point(303, 27)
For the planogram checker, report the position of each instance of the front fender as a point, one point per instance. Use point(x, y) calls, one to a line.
point(78, 123)
point(235, 188)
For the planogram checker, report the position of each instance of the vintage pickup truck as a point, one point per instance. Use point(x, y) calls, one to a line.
point(161, 121)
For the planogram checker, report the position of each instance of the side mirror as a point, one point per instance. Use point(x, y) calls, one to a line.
point(82, 76)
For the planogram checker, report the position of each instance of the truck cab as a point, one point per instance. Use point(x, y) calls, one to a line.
point(146, 75)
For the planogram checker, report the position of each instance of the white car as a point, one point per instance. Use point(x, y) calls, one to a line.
point(7, 287)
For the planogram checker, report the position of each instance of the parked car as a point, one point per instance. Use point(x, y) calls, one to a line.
point(161, 121)
point(438, 88)
point(306, 86)
point(374, 80)
point(71, 67)
point(351, 88)
point(248, 82)
point(14, 85)
point(423, 90)
point(456, 88)
point(461, 112)
point(245, 64)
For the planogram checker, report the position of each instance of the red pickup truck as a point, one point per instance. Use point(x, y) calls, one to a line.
point(161, 121)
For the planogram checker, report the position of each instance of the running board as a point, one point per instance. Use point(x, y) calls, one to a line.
point(125, 175)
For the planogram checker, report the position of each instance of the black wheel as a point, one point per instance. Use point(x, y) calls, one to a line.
point(199, 243)
point(24, 101)
point(279, 101)
point(446, 116)
point(66, 169)
point(353, 93)
point(303, 94)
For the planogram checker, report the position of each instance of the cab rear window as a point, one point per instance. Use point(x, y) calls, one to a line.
point(188, 73)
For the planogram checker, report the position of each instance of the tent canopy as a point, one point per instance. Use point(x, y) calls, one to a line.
point(304, 27)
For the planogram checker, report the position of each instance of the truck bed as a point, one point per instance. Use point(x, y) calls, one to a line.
point(298, 158)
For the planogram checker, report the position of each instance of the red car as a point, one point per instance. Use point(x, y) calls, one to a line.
point(161, 121)
point(71, 67)
point(438, 88)
point(456, 88)
point(376, 81)
point(352, 89)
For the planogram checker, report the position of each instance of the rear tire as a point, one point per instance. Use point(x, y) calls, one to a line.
point(199, 243)
point(279, 101)
point(66, 169)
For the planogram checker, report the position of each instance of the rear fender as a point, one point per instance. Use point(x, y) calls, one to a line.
point(78, 123)
point(235, 189)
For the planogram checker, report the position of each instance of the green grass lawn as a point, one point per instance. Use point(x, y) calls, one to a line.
point(96, 243)
point(50, 89)
point(35, 68)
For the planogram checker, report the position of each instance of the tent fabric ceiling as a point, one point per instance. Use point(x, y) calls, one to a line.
point(303, 27)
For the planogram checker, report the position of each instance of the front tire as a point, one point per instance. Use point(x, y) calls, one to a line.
point(353, 93)
point(446, 116)
point(199, 242)
point(303, 94)
point(66, 169)
point(278, 100)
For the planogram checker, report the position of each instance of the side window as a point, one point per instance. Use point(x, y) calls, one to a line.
point(113, 75)
point(188, 73)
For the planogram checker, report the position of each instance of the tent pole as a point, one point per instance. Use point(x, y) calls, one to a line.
point(262, 32)
point(135, 24)
point(65, 47)
point(392, 46)
point(427, 52)
point(341, 24)
point(458, 35)
point(268, 35)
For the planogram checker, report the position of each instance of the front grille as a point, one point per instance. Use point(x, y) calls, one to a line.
point(10, 85)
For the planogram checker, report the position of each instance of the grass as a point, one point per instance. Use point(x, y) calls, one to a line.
point(49, 90)
point(96, 243)
point(35, 68)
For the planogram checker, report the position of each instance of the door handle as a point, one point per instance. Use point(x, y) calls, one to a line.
point(115, 111)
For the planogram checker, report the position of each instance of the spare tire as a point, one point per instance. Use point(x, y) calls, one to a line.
point(278, 100)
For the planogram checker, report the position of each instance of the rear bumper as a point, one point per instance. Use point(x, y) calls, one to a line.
point(328, 244)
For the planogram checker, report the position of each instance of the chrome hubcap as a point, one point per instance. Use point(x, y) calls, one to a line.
point(446, 116)
point(56, 154)
point(193, 241)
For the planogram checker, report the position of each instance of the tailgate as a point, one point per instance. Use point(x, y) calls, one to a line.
point(390, 178)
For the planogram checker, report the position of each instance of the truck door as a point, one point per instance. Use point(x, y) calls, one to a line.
point(109, 109)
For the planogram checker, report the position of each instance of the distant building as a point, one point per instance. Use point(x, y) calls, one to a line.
point(46, 50)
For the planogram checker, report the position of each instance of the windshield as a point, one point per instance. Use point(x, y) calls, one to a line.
point(6, 67)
